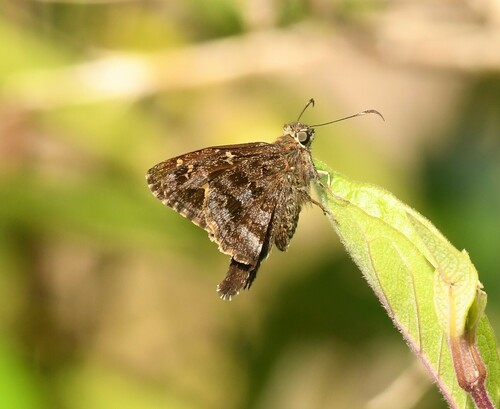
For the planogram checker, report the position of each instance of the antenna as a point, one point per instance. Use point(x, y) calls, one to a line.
point(368, 111)
point(311, 102)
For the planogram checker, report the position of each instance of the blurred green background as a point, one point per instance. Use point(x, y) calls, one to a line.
point(107, 298)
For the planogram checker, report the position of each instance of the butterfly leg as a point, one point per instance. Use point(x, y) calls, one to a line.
point(307, 197)
point(325, 210)
point(320, 173)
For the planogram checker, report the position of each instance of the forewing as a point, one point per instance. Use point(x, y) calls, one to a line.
point(182, 182)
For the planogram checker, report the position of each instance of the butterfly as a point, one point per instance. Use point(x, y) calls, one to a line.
point(248, 197)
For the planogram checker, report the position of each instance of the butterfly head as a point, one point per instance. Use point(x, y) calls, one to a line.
point(303, 134)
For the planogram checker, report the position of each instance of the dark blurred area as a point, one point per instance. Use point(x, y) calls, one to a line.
point(108, 297)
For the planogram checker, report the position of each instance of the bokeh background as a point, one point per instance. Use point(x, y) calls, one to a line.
point(107, 298)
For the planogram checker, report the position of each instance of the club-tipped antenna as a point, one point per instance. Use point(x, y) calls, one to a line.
point(368, 111)
point(311, 102)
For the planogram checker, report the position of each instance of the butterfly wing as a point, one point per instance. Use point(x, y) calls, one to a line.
point(241, 204)
point(247, 229)
point(182, 182)
point(242, 207)
point(235, 193)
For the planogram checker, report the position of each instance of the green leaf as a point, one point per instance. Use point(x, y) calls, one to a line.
point(430, 289)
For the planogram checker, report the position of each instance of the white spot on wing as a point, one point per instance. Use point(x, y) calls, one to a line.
point(248, 236)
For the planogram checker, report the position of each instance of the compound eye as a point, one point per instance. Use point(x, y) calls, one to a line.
point(302, 136)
